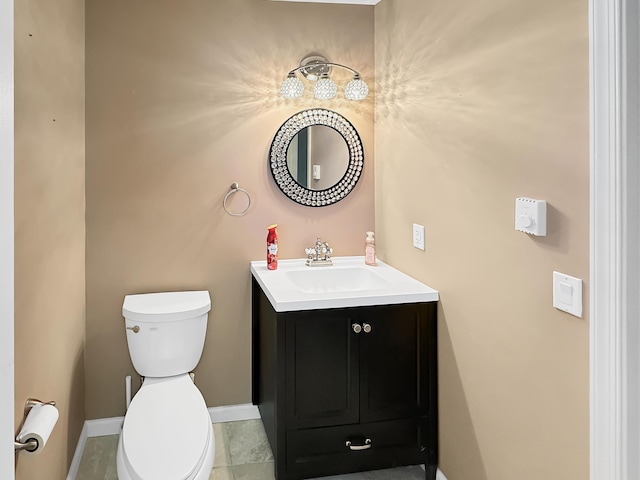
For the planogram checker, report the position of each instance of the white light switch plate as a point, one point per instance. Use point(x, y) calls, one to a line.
point(567, 293)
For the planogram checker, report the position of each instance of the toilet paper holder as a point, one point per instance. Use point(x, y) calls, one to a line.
point(30, 445)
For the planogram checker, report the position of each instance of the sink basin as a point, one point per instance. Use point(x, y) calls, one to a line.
point(348, 283)
point(326, 279)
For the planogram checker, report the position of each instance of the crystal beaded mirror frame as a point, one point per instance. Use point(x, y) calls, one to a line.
point(280, 146)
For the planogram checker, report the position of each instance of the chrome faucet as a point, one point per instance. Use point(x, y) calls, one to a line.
point(320, 255)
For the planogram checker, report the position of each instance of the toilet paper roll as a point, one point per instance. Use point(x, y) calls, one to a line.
point(38, 426)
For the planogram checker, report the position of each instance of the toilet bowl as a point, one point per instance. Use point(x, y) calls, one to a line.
point(167, 432)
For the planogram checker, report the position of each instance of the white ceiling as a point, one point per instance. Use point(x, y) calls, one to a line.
point(352, 2)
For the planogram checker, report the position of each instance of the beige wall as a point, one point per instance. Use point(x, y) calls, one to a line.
point(182, 100)
point(49, 224)
point(479, 102)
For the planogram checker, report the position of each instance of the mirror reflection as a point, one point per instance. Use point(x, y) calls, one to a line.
point(317, 157)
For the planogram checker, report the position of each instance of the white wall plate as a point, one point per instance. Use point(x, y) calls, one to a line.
point(567, 293)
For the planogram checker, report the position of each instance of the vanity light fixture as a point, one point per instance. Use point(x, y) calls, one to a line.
point(317, 69)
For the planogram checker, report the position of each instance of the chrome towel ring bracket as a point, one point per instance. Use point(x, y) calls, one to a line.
point(233, 189)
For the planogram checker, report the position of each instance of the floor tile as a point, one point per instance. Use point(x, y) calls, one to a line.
point(221, 473)
point(97, 458)
point(111, 472)
point(221, 458)
point(254, 471)
point(247, 442)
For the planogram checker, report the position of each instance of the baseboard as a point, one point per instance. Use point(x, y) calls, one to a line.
point(104, 426)
point(77, 456)
point(234, 413)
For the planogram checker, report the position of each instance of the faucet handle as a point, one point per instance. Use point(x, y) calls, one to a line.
point(328, 250)
point(309, 252)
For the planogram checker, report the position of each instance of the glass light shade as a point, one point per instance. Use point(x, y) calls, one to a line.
point(292, 87)
point(356, 89)
point(325, 88)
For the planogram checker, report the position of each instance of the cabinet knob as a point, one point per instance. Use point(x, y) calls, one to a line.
point(356, 327)
point(366, 327)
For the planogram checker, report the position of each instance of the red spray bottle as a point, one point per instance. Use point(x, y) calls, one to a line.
point(272, 247)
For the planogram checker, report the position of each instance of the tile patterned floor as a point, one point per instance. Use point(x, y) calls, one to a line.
point(242, 453)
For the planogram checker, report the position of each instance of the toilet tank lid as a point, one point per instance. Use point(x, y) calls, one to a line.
point(166, 306)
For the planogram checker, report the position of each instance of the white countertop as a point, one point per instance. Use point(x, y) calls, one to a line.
point(378, 285)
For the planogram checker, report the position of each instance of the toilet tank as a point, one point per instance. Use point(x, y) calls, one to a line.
point(166, 331)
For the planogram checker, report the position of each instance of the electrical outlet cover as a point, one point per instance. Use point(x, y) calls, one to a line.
point(418, 236)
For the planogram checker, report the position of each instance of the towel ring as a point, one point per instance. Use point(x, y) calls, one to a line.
point(236, 188)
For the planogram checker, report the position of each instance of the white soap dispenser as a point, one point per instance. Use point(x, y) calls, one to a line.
point(370, 250)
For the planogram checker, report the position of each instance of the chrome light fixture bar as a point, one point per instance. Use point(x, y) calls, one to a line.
point(317, 69)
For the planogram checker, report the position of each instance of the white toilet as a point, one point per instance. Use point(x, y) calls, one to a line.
point(167, 432)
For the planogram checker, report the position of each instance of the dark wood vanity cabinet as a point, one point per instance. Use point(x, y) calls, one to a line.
point(348, 389)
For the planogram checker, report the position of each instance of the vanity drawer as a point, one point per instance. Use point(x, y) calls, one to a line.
point(324, 451)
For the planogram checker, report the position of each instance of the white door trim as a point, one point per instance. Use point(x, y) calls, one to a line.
point(604, 381)
point(629, 212)
point(6, 240)
point(615, 220)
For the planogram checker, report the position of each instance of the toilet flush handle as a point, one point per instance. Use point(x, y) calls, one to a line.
point(135, 329)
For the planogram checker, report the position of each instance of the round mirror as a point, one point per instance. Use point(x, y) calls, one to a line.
point(316, 157)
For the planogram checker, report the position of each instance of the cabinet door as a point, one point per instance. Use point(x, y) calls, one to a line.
point(389, 363)
point(322, 377)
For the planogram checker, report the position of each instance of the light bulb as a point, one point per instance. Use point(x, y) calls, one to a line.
point(292, 87)
point(356, 89)
point(325, 88)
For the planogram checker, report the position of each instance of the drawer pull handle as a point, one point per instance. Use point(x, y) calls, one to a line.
point(367, 444)
point(356, 327)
